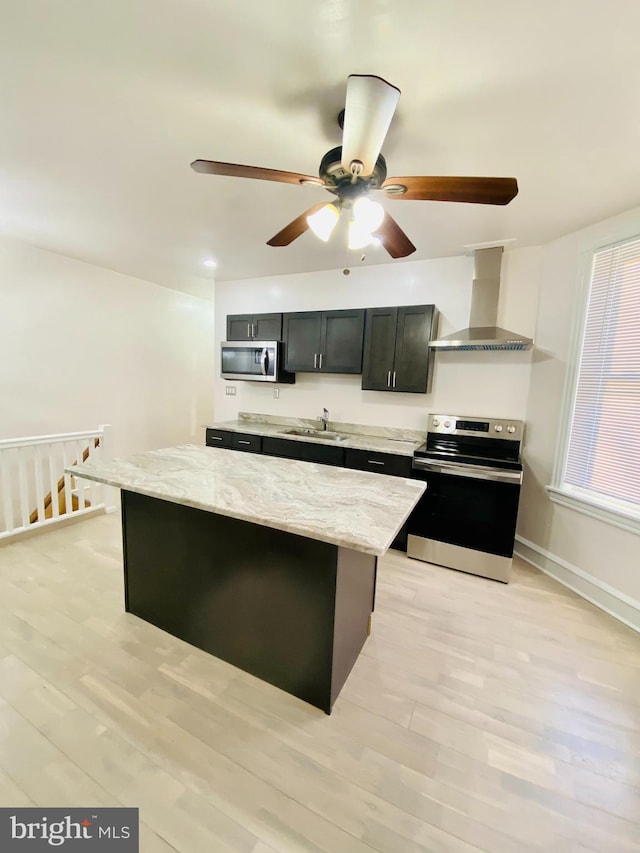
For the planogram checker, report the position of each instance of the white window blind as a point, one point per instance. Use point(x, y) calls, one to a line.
point(602, 464)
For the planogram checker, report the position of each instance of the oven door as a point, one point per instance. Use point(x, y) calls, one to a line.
point(469, 506)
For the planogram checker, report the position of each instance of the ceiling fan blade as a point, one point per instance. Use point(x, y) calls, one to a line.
point(369, 108)
point(295, 228)
point(393, 238)
point(473, 190)
point(234, 170)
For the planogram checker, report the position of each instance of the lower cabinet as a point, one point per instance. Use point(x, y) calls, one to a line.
point(379, 463)
point(218, 438)
point(307, 451)
point(324, 454)
point(247, 442)
point(282, 447)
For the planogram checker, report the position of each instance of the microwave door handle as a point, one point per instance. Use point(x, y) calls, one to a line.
point(264, 359)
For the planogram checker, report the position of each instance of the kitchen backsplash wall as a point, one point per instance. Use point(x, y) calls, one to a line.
point(476, 383)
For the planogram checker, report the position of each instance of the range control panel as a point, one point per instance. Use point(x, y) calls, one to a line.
point(480, 427)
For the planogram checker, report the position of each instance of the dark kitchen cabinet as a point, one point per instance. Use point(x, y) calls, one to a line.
point(247, 442)
point(218, 438)
point(396, 348)
point(325, 454)
point(324, 341)
point(307, 451)
point(285, 448)
point(254, 327)
point(379, 463)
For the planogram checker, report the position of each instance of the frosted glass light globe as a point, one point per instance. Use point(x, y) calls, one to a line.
point(323, 221)
point(368, 214)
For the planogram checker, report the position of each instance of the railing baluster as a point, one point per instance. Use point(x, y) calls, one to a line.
point(22, 485)
point(53, 482)
point(68, 502)
point(37, 465)
point(93, 500)
point(79, 483)
point(7, 500)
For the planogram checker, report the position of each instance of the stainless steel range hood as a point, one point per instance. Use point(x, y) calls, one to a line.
point(482, 332)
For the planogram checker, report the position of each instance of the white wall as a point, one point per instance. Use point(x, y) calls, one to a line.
point(81, 345)
point(474, 383)
point(598, 559)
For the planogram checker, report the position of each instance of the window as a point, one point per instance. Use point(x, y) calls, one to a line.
point(601, 459)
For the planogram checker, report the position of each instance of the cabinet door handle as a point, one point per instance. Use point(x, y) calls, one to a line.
point(248, 330)
point(394, 379)
point(388, 379)
point(315, 360)
point(243, 442)
point(374, 462)
point(215, 437)
point(320, 362)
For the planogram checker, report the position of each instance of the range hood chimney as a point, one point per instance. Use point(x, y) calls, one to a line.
point(483, 333)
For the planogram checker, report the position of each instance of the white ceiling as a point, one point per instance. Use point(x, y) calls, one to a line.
point(103, 106)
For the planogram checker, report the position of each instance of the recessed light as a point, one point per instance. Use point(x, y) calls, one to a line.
point(210, 262)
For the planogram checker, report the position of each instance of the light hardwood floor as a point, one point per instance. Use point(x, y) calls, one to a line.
point(478, 717)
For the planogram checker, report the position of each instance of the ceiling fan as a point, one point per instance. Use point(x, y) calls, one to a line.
point(355, 169)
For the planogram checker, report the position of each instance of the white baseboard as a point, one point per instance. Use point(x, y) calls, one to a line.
point(606, 597)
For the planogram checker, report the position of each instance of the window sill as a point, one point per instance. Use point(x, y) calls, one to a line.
point(601, 511)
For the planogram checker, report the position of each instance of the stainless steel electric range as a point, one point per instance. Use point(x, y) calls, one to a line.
point(466, 519)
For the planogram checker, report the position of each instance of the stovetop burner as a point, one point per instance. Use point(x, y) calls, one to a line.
point(473, 441)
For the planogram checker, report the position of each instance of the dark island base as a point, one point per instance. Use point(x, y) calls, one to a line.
point(290, 610)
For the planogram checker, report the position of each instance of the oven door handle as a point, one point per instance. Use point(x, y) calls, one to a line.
point(474, 472)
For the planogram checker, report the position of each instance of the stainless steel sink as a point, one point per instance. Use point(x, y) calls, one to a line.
point(323, 435)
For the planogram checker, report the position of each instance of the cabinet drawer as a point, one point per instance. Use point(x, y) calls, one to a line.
point(246, 441)
point(325, 454)
point(282, 447)
point(218, 438)
point(379, 463)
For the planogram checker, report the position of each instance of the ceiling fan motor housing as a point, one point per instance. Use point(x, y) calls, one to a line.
point(340, 182)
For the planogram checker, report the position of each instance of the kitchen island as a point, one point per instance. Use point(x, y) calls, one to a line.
point(267, 563)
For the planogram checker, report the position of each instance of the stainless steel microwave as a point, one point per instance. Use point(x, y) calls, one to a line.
point(257, 361)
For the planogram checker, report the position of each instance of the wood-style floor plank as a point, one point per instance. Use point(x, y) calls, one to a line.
point(478, 717)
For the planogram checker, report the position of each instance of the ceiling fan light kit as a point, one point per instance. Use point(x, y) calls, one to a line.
point(323, 221)
point(356, 168)
point(358, 236)
point(368, 214)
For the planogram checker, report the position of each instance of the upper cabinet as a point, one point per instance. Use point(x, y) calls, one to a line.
point(324, 341)
point(396, 348)
point(254, 327)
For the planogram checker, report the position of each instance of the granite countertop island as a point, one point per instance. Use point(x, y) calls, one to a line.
point(353, 509)
point(267, 563)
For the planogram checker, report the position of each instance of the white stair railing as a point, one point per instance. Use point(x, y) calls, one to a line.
point(35, 490)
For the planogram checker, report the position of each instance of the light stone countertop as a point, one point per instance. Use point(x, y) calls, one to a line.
point(399, 442)
point(353, 509)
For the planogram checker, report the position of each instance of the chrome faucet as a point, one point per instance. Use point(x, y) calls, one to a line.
point(324, 418)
